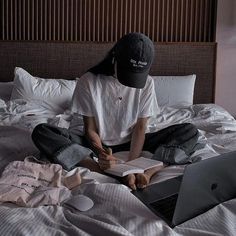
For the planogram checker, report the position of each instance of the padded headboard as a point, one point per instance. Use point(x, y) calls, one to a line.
point(69, 60)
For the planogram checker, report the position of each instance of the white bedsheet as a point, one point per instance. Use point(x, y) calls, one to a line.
point(116, 210)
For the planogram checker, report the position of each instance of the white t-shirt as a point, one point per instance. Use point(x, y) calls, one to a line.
point(115, 107)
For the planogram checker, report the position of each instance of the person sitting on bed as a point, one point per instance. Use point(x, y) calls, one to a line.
point(116, 99)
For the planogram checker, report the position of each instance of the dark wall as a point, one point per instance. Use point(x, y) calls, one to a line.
point(108, 20)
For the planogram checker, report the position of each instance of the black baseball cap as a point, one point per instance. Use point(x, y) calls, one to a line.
point(134, 54)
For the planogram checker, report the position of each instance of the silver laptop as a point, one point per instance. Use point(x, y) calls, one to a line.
point(203, 185)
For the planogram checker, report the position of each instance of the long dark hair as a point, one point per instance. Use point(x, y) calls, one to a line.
point(106, 66)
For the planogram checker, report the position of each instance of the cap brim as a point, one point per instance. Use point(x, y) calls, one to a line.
point(132, 79)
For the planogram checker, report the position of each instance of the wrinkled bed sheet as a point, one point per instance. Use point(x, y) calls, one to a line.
point(116, 210)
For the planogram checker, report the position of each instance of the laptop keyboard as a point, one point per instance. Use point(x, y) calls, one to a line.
point(166, 206)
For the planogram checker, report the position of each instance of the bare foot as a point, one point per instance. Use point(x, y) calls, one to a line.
point(130, 180)
point(142, 180)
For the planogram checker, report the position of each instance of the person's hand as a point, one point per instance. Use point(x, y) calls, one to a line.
point(106, 160)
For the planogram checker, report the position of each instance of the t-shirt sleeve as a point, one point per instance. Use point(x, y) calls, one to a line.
point(82, 102)
point(148, 103)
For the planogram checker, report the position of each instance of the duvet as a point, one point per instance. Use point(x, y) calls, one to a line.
point(116, 211)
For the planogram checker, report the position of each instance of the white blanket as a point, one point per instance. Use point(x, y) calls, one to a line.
point(116, 211)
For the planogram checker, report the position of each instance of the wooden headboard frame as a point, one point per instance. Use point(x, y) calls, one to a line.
point(69, 60)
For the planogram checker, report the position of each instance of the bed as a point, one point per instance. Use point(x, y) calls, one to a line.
point(116, 210)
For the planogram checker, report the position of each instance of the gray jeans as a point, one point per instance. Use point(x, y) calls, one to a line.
point(61, 146)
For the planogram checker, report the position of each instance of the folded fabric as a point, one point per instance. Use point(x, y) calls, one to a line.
point(182, 142)
point(71, 155)
point(174, 155)
point(31, 184)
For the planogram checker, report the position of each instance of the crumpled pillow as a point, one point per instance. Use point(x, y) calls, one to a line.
point(57, 92)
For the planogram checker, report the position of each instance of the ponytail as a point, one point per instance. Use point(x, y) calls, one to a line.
point(106, 66)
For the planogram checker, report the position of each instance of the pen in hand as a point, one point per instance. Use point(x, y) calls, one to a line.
point(108, 150)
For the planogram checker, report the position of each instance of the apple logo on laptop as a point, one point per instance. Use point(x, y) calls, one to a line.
point(214, 186)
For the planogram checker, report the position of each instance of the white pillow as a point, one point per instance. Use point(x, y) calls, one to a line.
point(55, 91)
point(6, 90)
point(174, 91)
